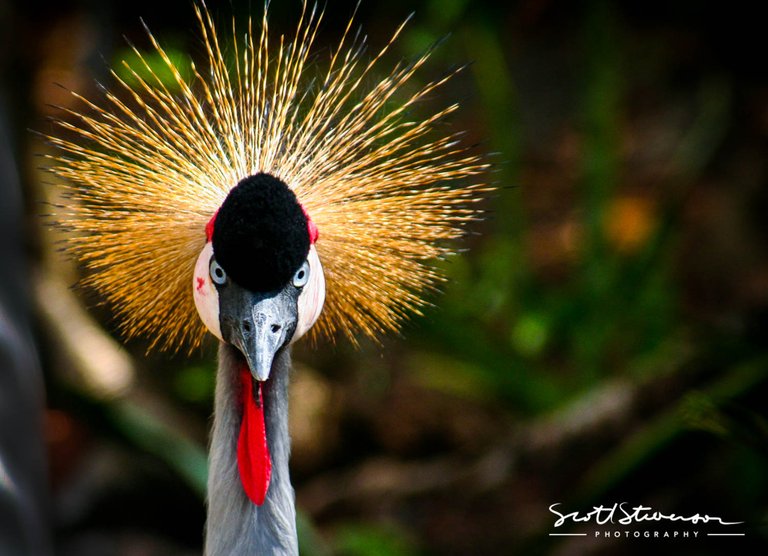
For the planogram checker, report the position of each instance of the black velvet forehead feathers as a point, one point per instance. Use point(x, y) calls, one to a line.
point(260, 235)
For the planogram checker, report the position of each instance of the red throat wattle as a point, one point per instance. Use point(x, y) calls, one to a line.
point(253, 459)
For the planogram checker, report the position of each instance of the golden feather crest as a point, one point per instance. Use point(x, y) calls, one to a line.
point(148, 168)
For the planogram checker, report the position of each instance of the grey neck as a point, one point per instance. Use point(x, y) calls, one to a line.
point(235, 525)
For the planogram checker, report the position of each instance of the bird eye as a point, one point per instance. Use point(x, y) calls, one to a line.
point(302, 275)
point(217, 273)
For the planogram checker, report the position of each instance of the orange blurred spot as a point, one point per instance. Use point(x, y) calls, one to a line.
point(630, 222)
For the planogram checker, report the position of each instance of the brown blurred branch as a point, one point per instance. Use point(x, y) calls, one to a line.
point(98, 363)
point(602, 415)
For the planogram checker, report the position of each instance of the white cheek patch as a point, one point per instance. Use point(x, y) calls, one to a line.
point(312, 297)
point(204, 291)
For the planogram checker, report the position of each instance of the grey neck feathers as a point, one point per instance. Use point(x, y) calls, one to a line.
point(235, 525)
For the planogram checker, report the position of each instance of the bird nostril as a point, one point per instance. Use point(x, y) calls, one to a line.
point(247, 326)
point(275, 328)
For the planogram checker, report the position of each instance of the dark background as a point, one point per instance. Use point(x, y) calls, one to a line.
point(601, 338)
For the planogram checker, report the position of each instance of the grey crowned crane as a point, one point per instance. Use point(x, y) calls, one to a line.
point(272, 206)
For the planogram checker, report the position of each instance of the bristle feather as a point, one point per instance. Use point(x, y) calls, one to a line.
point(148, 168)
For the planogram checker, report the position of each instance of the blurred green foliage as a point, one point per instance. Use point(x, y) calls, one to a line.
point(369, 540)
point(135, 66)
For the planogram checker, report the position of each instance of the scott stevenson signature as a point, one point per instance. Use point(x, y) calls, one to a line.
point(617, 513)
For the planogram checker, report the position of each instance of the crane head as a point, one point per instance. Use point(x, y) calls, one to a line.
point(258, 285)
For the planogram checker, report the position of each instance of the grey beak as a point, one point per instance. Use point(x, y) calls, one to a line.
point(258, 324)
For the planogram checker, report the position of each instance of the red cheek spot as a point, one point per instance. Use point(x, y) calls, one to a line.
point(200, 284)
